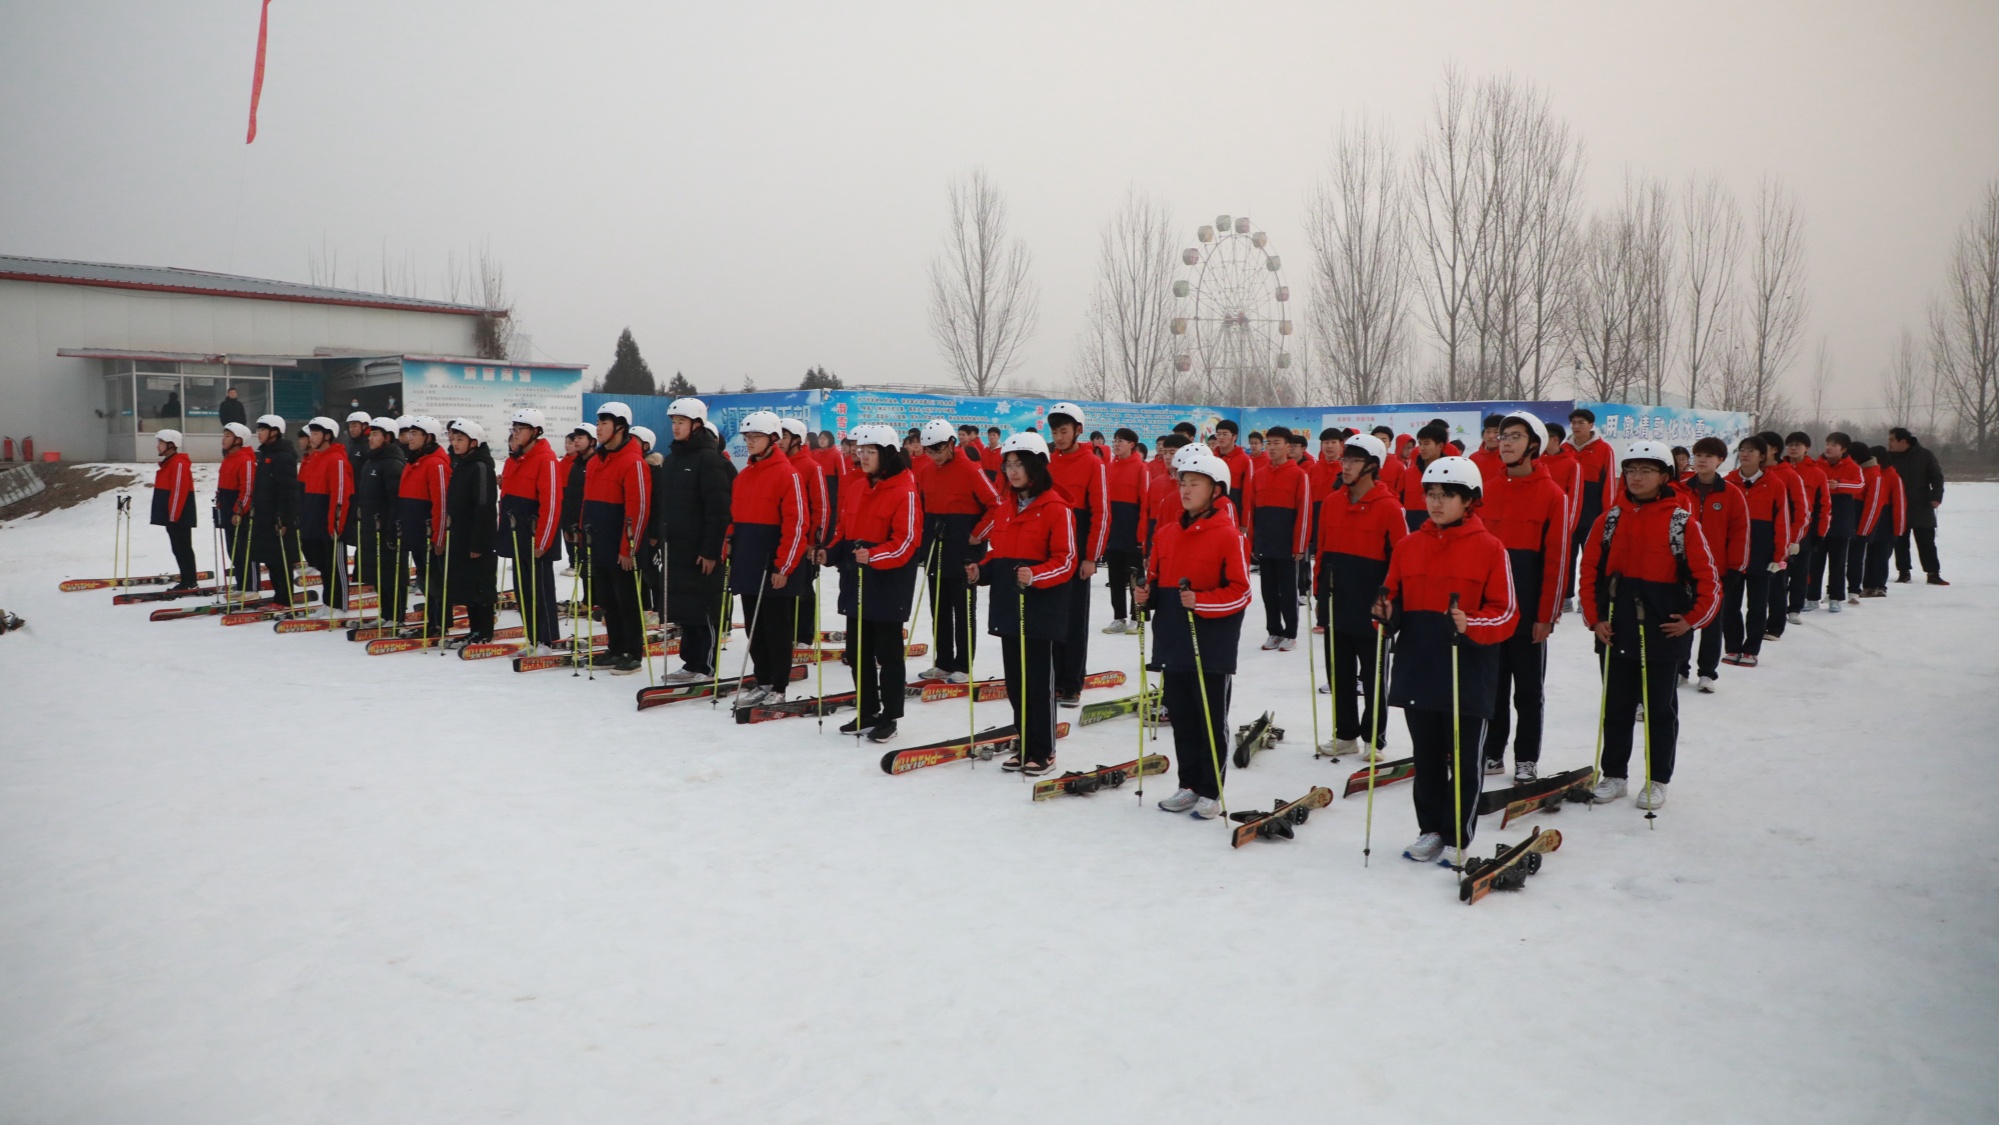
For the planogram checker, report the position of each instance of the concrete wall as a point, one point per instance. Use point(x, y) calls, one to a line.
point(56, 400)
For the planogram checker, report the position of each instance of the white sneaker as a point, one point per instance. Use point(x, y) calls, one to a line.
point(1707, 685)
point(568, 572)
point(1639, 715)
point(753, 696)
point(686, 676)
point(958, 678)
point(1794, 618)
point(1426, 849)
point(1206, 808)
point(1344, 746)
point(1495, 766)
point(1287, 644)
point(1116, 627)
point(1181, 801)
point(1607, 789)
point(1271, 643)
point(1853, 599)
point(932, 673)
point(1834, 607)
point(1523, 772)
point(1652, 795)
point(1569, 605)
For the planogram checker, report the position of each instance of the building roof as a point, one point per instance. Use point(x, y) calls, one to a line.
point(167, 279)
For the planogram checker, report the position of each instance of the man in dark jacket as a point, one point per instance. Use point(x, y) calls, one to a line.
point(377, 483)
point(1922, 484)
point(274, 498)
point(471, 516)
point(691, 517)
point(230, 409)
point(581, 442)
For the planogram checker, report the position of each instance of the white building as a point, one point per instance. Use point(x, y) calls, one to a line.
point(95, 357)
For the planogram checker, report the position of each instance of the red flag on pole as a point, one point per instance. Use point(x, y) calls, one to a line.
point(257, 79)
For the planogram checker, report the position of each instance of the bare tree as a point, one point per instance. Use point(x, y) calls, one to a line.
point(1447, 210)
point(983, 304)
point(1821, 385)
point(1776, 298)
point(1712, 223)
point(1652, 262)
point(1130, 355)
point(1964, 325)
point(1620, 298)
point(1548, 232)
point(1360, 300)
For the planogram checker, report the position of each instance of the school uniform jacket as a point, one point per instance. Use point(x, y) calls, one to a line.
point(530, 500)
point(1724, 516)
point(426, 481)
point(173, 491)
point(1818, 494)
point(1130, 486)
point(1356, 541)
point(1242, 470)
point(1209, 551)
point(1659, 557)
point(1769, 503)
point(617, 499)
point(1596, 476)
point(232, 484)
point(768, 508)
point(1084, 482)
point(328, 479)
point(1042, 537)
point(1431, 564)
point(956, 499)
point(1530, 515)
point(1278, 506)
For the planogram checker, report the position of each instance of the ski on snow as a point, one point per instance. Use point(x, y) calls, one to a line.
point(76, 584)
point(1385, 773)
point(1278, 823)
point(983, 745)
point(989, 690)
point(542, 662)
point(1253, 737)
point(1094, 781)
point(1508, 870)
point(660, 694)
point(1112, 708)
point(1537, 795)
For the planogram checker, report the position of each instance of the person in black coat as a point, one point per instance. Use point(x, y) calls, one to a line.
point(378, 480)
point(230, 409)
point(274, 500)
point(1922, 488)
point(691, 513)
point(471, 514)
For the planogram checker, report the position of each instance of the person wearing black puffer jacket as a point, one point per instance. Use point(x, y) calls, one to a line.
point(376, 485)
point(691, 516)
point(471, 515)
point(274, 500)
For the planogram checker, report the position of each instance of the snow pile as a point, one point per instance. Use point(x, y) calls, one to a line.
point(261, 877)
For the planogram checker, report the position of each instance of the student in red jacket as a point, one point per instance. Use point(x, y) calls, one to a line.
point(1797, 507)
point(1032, 541)
point(420, 497)
point(617, 510)
point(1259, 452)
point(580, 443)
point(1560, 463)
point(1872, 501)
point(1529, 513)
point(1198, 591)
point(1769, 501)
point(531, 524)
point(957, 497)
point(1648, 578)
point(1084, 483)
point(1392, 468)
point(173, 503)
point(1162, 504)
point(886, 533)
point(1242, 468)
point(1891, 519)
point(1129, 489)
point(1278, 508)
point(1432, 443)
point(1359, 523)
point(768, 540)
point(1724, 516)
point(1449, 598)
point(1846, 490)
point(232, 491)
point(1595, 474)
point(1486, 456)
point(327, 479)
point(796, 445)
point(1802, 573)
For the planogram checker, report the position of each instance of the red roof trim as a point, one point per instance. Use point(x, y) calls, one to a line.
point(392, 304)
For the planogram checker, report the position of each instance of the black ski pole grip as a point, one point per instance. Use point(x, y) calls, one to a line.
point(1454, 621)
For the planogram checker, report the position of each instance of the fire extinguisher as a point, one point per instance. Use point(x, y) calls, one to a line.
point(10, 449)
point(27, 449)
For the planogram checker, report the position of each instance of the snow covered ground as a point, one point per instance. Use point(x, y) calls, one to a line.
point(250, 877)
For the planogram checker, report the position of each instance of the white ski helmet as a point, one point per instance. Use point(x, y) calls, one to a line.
point(1026, 441)
point(645, 435)
point(616, 410)
point(712, 431)
point(688, 408)
point(271, 421)
point(1186, 455)
point(1369, 445)
point(761, 422)
point(1454, 470)
point(360, 416)
point(1536, 429)
point(386, 425)
point(1648, 451)
point(1067, 410)
point(1205, 463)
point(529, 417)
point(428, 425)
point(171, 437)
point(323, 423)
point(938, 432)
point(796, 428)
point(584, 430)
point(405, 422)
point(241, 431)
point(469, 428)
point(875, 434)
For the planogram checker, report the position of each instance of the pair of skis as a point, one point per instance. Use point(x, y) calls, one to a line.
point(658, 695)
point(983, 746)
point(1252, 738)
point(74, 585)
point(989, 690)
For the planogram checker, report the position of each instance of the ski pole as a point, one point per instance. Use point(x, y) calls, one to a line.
point(444, 620)
point(1020, 709)
point(861, 641)
point(1144, 691)
point(1603, 691)
point(971, 679)
point(818, 649)
point(756, 612)
point(1645, 699)
point(1312, 680)
point(588, 627)
point(576, 630)
point(1457, 750)
point(936, 564)
point(639, 604)
point(1372, 756)
point(1207, 712)
point(721, 619)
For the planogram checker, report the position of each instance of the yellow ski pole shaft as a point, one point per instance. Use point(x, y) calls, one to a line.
point(1020, 709)
point(1207, 712)
point(1645, 700)
point(971, 680)
point(860, 643)
point(1144, 692)
point(444, 621)
point(1371, 755)
point(818, 649)
point(721, 619)
point(1312, 674)
point(587, 628)
point(1603, 679)
point(639, 603)
point(1457, 749)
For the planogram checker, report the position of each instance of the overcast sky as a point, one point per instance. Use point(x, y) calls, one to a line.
point(755, 188)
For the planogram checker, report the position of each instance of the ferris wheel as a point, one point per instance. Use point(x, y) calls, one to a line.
point(1233, 327)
